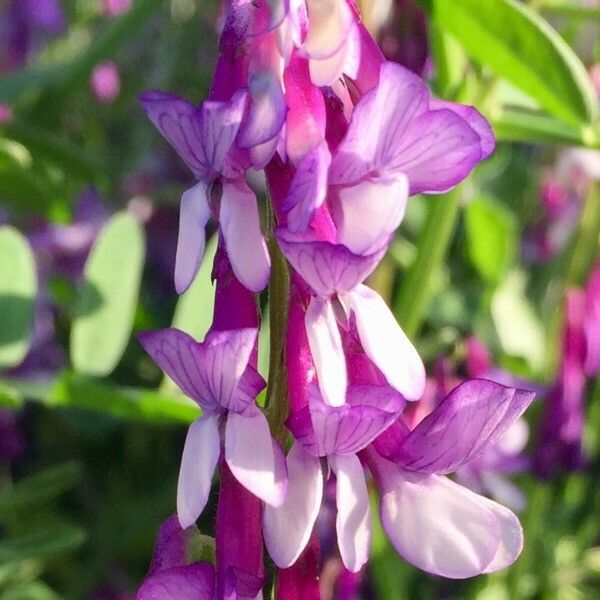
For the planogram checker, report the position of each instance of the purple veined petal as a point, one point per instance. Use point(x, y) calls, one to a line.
point(194, 214)
point(436, 524)
point(347, 429)
point(299, 422)
point(326, 348)
point(261, 155)
point(369, 212)
point(220, 123)
point(266, 112)
point(224, 359)
point(287, 529)
point(200, 455)
point(244, 242)
point(327, 268)
point(386, 344)
point(436, 152)
point(329, 22)
point(353, 522)
point(476, 121)
point(255, 460)
point(190, 582)
point(467, 422)
point(308, 189)
point(180, 124)
point(180, 357)
point(379, 123)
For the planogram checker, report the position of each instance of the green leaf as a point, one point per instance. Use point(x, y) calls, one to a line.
point(517, 325)
point(46, 542)
point(18, 288)
point(194, 311)
point(35, 590)
point(39, 488)
point(571, 8)
point(515, 43)
point(536, 128)
point(108, 300)
point(491, 238)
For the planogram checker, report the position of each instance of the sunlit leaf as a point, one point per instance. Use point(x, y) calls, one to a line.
point(48, 542)
point(109, 296)
point(515, 43)
point(491, 238)
point(18, 288)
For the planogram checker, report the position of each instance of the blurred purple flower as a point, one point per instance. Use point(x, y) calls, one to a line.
point(106, 82)
point(116, 7)
point(12, 443)
point(6, 114)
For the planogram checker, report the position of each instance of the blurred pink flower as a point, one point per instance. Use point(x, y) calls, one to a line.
point(106, 82)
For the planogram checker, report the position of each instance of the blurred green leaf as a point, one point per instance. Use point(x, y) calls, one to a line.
point(35, 590)
point(40, 487)
point(491, 238)
point(571, 8)
point(47, 542)
point(536, 128)
point(517, 325)
point(517, 44)
point(108, 300)
point(36, 79)
point(18, 288)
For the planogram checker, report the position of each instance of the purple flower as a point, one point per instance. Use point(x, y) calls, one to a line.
point(116, 7)
point(172, 574)
point(591, 323)
point(205, 138)
point(334, 275)
point(12, 444)
point(434, 523)
point(106, 82)
point(216, 374)
point(329, 438)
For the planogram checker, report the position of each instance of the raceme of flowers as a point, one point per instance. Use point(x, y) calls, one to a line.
point(302, 92)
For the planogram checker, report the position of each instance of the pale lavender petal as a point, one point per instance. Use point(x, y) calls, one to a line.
point(244, 242)
point(325, 71)
point(255, 460)
point(266, 112)
point(200, 455)
point(327, 351)
point(180, 123)
point(249, 386)
point(386, 344)
point(476, 121)
point(327, 267)
point(353, 522)
point(194, 213)
point(369, 211)
point(379, 121)
point(308, 188)
point(467, 422)
point(287, 529)
point(436, 524)
point(180, 357)
point(329, 24)
point(190, 582)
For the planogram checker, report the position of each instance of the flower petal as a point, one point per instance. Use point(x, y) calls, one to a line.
point(308, 188)
point(386, 344)
point(244, 242)
point(200, 455)
point(255, 460)
point(180, 124)
point(327, 267)
point(329, 24)
point(369, 212)
point(194, 213)
point(287, 528)
point(468, 421)
point(353, 522)
point(190, 582)
point(327, 351)
point(436, 524)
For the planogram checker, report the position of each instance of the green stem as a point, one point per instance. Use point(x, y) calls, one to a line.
point(277, 403)
point(433, 244)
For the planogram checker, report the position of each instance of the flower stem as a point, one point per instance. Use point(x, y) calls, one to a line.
point(435, 238)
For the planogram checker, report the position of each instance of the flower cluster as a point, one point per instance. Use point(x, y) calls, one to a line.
point(344, 138)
